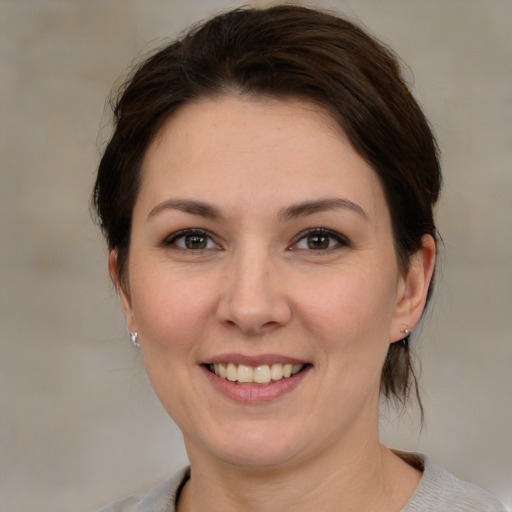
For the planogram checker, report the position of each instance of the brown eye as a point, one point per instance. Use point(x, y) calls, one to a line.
point(317, 242)
point(191, 240)
point(195, 241)
point(320, 240)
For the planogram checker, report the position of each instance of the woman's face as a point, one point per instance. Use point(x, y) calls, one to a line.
point(261, 244)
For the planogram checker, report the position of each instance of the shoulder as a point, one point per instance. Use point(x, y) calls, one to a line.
point(159, 499)
point(440, 491)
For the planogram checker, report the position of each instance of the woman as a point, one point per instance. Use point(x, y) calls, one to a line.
point(267, 199)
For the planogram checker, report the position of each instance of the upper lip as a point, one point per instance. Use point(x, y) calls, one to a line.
point(254, 360)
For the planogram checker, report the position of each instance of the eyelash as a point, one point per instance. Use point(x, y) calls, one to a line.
point(173, 239)
point(339, 239)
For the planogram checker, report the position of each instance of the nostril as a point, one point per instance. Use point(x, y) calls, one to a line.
point(252, 301)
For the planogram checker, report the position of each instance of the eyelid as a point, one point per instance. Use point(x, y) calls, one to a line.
point(342, 240)
point(171, 239)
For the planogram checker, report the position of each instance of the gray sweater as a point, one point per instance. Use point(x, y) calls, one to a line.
point(438, 491)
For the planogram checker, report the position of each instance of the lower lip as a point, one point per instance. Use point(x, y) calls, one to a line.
point(254, 393)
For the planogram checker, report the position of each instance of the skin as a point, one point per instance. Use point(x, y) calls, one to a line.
point(258, 288)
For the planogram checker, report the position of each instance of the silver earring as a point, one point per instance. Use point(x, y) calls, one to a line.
point(133, 337)
point(404, 341)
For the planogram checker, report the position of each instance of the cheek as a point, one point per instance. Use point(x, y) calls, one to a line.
point(171, 310)
point(349, 320)
point(172, 314)
point(350, 306)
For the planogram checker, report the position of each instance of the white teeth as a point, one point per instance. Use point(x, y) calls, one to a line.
point(263, 374)
point(231, 373)
point(245, 373)
point(277, 371)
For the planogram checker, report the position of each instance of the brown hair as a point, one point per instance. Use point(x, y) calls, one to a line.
point(285, 51)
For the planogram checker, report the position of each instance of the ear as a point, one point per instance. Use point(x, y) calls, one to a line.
point(412, 293)
point(123, 292)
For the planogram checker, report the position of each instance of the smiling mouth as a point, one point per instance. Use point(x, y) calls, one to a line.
point(263, 374)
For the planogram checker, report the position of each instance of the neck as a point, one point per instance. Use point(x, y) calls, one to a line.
point(365, 477)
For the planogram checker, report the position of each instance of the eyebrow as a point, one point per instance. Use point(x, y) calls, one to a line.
point(321, 205)
point(188, 206)
point(294, 211)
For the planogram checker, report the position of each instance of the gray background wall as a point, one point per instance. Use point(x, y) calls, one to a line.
point(79, 424)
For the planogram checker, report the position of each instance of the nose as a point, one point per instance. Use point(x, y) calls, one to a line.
point(254, 298)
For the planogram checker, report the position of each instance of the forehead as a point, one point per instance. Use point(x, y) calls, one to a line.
point(240, 148)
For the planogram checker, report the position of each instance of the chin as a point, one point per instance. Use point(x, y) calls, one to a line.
point(261, 446)
point(257, 457)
